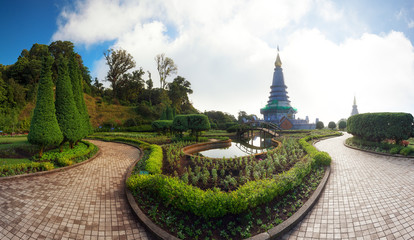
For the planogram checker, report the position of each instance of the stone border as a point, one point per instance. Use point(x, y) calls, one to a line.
point(378, 153)
point(97, 154)
point(273, 233)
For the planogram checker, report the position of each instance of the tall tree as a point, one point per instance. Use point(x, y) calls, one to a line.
point(44, 127)
point(66, 111)
point(76, 80)
point(178, 92)
point(119, 62)
point(165, 67)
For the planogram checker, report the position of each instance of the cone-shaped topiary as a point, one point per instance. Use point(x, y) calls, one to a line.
point(66, 111)
point(76, 79)
point(44, 127)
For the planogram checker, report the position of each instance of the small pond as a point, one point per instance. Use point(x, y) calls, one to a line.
point(240, 148)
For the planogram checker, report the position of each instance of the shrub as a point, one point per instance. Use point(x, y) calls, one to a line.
point(396, 150)
point(332, 125)
point(162, 126)
point(16, 169)
point(320, 125)
point(67, 113)
point(322, 159)
point(154, 161)
point(406, 151)
point(380, 126)
point(44, 127)
point(342, 124)
point(180, 124)
point(198, 123)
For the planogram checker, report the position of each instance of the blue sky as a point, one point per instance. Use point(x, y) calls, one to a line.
point(331, 50)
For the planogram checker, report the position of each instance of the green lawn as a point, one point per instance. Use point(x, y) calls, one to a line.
point(11, 161)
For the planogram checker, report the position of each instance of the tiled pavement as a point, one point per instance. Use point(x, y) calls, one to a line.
point(367, 197)
point(85, 202)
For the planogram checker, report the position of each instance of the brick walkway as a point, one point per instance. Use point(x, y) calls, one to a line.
point(367, 197)
point(86, 202)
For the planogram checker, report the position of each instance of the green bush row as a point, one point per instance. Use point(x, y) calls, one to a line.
point(380, 126)
point(154, 162)
point(82, 151)
point(215, 203)
point(22, 168)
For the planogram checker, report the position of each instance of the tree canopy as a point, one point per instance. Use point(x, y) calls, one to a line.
point(119, 62)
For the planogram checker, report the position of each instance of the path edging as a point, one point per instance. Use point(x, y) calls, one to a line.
point(273, 233)
point(97, 154)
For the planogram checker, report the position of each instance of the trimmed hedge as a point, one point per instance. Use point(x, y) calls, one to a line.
point(154, 161)
point(215, 203)
point(16, 169)
point(380, 126)
point(162, 125)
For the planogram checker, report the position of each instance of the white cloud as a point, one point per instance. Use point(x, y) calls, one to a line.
point(227, 51)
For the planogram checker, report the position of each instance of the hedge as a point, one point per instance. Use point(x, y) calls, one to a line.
point(16, 169)
point(380, 126)
point(154, 161)
point(215, 203)
point(162, 125)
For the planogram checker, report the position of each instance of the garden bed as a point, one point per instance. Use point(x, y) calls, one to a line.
point(242, 211)
point(52, 159)
point(382, 148)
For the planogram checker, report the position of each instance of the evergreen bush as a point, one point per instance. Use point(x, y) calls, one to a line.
point(76, 80)
point(44, 127)
point(66, 111)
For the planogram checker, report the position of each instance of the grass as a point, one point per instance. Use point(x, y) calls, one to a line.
point(11, 161)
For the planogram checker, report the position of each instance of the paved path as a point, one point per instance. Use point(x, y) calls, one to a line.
point(367, 196)
point(86, 202)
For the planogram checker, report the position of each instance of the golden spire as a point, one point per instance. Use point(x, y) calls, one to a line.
point(354, 100)
point(278, 63)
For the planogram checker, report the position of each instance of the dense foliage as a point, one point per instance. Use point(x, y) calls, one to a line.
point(66, 111)
point(44, 128)
point(320, 125)
point(332, 125)
point(380, 126)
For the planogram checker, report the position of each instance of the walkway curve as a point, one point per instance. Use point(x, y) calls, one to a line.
point(86, 202)
point(367, 196)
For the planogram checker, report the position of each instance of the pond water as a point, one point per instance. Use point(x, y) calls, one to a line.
point(240, 148)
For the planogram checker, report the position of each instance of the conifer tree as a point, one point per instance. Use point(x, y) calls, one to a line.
point(76, 79)
point(44, 127)
point(66, 111)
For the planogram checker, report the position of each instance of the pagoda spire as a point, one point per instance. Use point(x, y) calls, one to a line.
point(278, 62)
point(354, 108)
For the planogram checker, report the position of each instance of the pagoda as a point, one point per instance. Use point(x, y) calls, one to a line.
point(278, 109)
point(354, 108)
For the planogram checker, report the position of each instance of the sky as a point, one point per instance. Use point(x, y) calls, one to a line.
point(331, 50)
